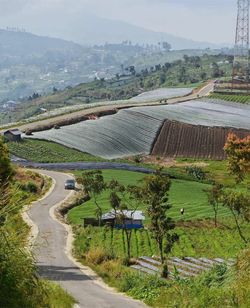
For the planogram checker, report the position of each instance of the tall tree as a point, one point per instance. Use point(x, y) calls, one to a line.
point(239, 205)
point(214, 199)
point(124, 203)
point(94, 185)
point(6, 173)
point(6, 170)
point(238, 153)
point(155, 195)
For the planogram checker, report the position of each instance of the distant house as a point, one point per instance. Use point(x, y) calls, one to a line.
point(124, 219)
point(13, 135)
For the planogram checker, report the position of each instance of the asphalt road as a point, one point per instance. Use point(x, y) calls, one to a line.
point(53, 262)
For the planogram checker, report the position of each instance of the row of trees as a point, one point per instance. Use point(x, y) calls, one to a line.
point(153, 193)
point(236, 200)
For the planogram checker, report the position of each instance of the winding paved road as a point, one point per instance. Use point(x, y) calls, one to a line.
point(53, 263)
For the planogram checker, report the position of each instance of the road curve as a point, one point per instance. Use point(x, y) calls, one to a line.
point(53, 263)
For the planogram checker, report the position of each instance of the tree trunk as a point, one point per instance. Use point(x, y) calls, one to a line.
point(128, 238)
point(239, 228)
point(99, 209)
point(160, 246)
point(215, 216)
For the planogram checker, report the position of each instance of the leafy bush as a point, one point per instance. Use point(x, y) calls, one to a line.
point(196, 172)
point(142, 287)
point(98, 255)
point(31, 187)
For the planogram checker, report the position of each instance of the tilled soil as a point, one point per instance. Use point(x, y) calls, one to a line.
point(184, 140)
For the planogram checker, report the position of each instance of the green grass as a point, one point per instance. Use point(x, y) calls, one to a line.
point(198, 238)
point(201, 240)
point(216, 170)
point(47, 152)
point(183, 194)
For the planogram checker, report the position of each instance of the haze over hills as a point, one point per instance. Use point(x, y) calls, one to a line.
point(97, 30)
point(88, 29)
point(31, 63)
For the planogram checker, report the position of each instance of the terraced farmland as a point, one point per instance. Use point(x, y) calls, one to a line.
point(133, 131)
point(186, 267)
point(193, 141)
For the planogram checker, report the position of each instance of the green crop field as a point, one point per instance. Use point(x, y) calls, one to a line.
point(243, 99)
point(203, 241)
point(47, 152)
point(183, 194)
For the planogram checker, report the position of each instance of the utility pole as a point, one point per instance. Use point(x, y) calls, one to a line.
point(240, 75)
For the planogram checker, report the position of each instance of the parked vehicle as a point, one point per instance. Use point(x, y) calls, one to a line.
point(70, 184)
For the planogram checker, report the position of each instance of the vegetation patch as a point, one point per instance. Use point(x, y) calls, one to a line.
point(47, 152)
point(189, 195)
point(19, 281)
point(242, 99)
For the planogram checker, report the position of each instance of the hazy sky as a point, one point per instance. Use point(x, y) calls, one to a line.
point(203, 20)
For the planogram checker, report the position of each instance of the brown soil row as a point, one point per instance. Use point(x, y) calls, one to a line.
point(184, 140)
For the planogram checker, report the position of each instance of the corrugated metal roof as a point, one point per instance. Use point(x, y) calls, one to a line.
point(135, 215)
point(15, 132)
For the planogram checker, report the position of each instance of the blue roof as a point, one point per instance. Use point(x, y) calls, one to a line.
point(135, 215)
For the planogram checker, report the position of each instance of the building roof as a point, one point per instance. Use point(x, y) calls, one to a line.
point(15, 132)
point(135, 215)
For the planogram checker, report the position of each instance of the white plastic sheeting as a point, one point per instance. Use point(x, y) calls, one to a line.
point(162, 93)
point(132, 131)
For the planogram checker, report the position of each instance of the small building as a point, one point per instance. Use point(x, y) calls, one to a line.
point(124, 219)
point(13, 135)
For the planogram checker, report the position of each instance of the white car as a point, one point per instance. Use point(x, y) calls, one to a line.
point(70, 184)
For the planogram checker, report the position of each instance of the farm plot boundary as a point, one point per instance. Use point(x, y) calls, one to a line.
point(185, 140)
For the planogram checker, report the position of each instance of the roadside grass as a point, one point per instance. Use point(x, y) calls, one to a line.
point(48, 152)
point(189, 195)
point(201, 240)
point(19, 284)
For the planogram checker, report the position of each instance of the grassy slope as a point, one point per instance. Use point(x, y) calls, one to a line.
point(198, 238)
point(187, 194)
point(47, 152)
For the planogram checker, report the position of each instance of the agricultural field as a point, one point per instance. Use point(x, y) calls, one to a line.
point(242, 99)
point(190, 195)
point(196, 142)
point(198, 240)
point(105, 251)
point(133, 131)
point(47, 152)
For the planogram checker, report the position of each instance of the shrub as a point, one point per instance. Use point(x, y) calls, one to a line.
point(196, 172)
point(98, 256)
point(138, 159)
point(31, 187)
